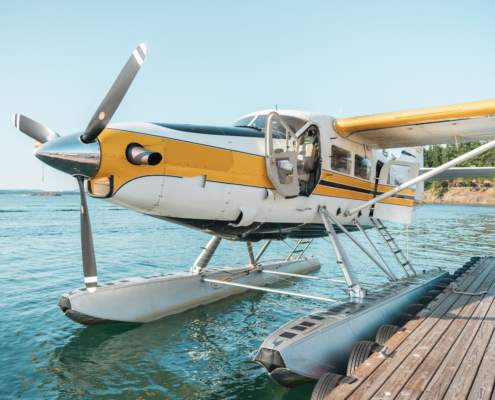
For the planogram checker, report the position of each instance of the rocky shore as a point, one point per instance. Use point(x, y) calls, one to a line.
point(461, 195)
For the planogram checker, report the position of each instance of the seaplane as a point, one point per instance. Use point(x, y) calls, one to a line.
point(273, 175)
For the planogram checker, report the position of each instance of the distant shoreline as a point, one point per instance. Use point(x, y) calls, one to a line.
point(468, 196)
point(36, 192)
point(44, 194)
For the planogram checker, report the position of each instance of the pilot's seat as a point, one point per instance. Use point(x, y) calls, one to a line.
point(306, 161)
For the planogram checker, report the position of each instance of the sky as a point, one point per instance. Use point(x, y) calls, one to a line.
point(211, 62)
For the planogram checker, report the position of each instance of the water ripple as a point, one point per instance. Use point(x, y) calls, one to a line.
point(202, 354)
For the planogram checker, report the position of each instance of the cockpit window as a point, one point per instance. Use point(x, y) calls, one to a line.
point(258, 122)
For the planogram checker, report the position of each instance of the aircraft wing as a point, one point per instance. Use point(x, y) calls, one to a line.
point(460, 172)
point(465, 122)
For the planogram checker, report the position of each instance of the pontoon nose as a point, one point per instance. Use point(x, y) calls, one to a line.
point(70, 155)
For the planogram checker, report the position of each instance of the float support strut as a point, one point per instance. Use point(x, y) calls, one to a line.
point(349, 274)
point(324, 212)
point(262, 251)
point(205, 256)
point(217, 282)
point(385, 266)
point(266, 271)
point(249, 246)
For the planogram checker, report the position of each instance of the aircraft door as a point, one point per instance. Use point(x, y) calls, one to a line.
point(398, 208)
point(395, 173)
point(379, 166)
point(281, 157)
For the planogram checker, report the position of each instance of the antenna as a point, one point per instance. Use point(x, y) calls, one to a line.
point(276, 109)
point(341, 108)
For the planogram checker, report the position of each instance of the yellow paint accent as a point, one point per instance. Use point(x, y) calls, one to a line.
point(190, 159)
point(402, 202)
point(405, 192)
point(349, 194)
point(37, 144)
point(328, 191)
point(346, 180)
point(180, 159)
point(349, 180)
point(345, 126)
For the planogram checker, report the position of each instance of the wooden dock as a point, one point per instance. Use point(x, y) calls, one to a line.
point(448, 353)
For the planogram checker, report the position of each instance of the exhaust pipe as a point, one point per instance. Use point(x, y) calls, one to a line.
point(138, 155)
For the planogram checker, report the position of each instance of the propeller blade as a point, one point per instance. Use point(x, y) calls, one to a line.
point(113, 98)
point(88, 251)
point(34, 129)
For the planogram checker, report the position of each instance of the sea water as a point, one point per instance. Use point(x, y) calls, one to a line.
point(201, 354)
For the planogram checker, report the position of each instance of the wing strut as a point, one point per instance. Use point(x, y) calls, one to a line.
point(422, 178)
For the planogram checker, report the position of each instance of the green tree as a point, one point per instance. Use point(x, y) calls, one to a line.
point(436, 155)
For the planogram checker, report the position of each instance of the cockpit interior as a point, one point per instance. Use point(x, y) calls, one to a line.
point(309, 155)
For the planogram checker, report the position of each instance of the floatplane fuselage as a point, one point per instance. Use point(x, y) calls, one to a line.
point(215, 179)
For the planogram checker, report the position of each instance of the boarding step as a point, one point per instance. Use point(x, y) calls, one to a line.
point(387, 237)
point(300, 251)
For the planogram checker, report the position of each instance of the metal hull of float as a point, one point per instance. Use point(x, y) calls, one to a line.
point(321, 341)
point(148, 298)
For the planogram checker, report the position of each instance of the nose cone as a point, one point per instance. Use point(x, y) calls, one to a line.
point(68, 154)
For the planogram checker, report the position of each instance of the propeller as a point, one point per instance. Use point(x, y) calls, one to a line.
point(84, 151)
point(113, 98)
point(34, 129)
point(88, 250)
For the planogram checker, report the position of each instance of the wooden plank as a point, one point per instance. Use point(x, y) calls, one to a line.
point(441, 337)
point(422, 325)
point(462, 384)
point(437, 375)
point(482, 388)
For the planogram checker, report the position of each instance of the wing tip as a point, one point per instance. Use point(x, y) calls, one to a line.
point(16, 120)
point(143, 48)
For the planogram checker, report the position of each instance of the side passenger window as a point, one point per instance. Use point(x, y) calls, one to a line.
point(341, 160)
point(398, 174)
point(362, 167)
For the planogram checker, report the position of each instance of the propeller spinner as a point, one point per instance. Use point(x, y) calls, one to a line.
point(79, 155)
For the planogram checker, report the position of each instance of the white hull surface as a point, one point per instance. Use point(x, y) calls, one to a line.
point(152, 297)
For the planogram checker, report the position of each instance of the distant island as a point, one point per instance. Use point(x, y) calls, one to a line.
point(43, 194)
point(37, 192)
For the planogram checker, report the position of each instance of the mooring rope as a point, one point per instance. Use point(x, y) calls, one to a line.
point(455, 289)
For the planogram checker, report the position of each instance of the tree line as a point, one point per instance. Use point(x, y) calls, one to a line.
point(436, 155)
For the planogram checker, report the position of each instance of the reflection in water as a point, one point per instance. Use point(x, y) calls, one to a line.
point(202, 354)
point(213, 344)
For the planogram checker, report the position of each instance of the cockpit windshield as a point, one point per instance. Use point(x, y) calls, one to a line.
point(258, 122)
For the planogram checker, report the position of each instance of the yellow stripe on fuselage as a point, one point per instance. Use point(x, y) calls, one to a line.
point(347, 180)
point(331, 176)
point(180, 159)
point(405, 192)
point(334, 192)
point(187, 159)
point(349, 194)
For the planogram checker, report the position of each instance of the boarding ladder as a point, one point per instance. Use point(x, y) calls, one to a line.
point(389, 240)
point(295, 249)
